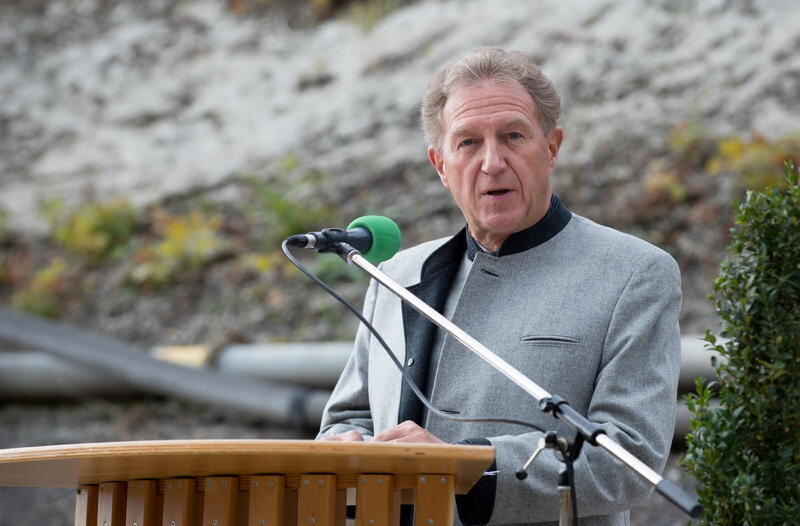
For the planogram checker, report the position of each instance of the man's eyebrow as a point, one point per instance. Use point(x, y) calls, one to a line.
point(461, 131)
point(516, 123)
point(466, 130)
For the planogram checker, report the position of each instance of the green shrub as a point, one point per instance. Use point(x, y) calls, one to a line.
point(95, 231)
point(745, 454)
point(757, 159)
point(367, 13)
point(281, 214)
point(187, 244)
point(331, 269)
point(46, 292)
point(3, 225)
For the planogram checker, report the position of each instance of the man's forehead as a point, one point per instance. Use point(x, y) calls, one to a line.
point(499, 120)
point(488, 103)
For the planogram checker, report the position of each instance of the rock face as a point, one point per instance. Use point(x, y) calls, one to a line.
point(146, 100)
point(151, 100)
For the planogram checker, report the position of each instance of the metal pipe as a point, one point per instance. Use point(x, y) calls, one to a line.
point(131, 365)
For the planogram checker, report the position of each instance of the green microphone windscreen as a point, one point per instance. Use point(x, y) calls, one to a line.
point(386, 237)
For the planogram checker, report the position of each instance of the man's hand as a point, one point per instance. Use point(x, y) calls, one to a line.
point(408, 431)
point(347, 436)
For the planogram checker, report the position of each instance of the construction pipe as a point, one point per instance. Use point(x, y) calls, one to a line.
point(320, 364)
point(35, 375)
point(695, 363)
point(32, 375)
point(251, 378)
point(312, 364)
point(132, 366)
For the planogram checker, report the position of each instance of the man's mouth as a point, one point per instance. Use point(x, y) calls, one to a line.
point(501, 191)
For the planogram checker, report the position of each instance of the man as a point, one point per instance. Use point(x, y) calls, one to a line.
point(586, 312)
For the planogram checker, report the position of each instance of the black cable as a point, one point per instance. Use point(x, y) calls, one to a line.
point(394, 359)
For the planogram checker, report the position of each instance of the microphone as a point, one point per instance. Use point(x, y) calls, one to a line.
point(377, 238)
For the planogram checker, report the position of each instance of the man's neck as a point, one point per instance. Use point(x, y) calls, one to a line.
point(556, 217)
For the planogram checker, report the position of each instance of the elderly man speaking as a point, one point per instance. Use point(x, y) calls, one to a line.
point(585, 311)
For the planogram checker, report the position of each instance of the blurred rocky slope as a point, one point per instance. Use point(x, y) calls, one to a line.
point(180, 106)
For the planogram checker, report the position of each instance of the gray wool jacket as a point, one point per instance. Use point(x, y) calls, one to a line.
point(587, 312)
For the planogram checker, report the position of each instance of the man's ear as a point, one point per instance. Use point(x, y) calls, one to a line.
point(437, 161)
point(554, 141)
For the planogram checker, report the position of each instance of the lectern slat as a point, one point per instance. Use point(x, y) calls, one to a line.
point(266, 503)
point(376, 501)
point(434, 500)
point(86, 506)
point(220, 501)
point(316, 501)
point(179, 499)
point(111, 504)
point(142, 503)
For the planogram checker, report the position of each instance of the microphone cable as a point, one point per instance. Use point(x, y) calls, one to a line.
point(394, 359)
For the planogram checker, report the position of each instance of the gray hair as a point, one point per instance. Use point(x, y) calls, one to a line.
point(488, 63)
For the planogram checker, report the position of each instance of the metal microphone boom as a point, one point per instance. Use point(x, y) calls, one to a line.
point(552, 404)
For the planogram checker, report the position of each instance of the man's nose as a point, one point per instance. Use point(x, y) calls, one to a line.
point(494, 160)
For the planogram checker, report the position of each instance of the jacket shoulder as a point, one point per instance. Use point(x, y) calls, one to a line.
point(608, 240)
point(406, 265)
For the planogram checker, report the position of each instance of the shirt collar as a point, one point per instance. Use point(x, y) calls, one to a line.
point(552, 223)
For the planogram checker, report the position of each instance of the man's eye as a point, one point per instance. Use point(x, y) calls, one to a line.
point(466, 142)
point(515, 135)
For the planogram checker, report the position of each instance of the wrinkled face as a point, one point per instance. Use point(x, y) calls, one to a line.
point(495, 159)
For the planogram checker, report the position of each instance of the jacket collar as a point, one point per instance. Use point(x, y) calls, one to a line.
point(552, 223)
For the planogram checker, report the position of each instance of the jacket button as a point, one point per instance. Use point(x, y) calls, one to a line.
point(410, 362)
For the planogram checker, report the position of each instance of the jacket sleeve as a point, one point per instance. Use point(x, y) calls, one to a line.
point(349, 407)
point(634, 401)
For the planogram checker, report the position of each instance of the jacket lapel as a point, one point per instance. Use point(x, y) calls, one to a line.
point(436, 279)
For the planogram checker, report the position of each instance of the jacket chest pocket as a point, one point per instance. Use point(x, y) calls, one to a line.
point(548, 340)
point(554, 361)
point(559, 363)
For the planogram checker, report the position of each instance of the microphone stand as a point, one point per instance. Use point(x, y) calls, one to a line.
point(569, 450)
point(549, 403)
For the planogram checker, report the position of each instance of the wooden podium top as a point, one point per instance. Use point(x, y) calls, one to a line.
point(72, 465)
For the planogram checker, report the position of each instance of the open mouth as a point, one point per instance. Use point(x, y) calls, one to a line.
point(502, 191)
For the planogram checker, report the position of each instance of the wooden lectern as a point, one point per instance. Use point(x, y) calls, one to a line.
point(251, 482)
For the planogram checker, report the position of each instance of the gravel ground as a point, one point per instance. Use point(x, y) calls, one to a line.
point(99, 421)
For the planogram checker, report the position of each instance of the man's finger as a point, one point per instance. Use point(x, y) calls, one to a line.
point(347, 436)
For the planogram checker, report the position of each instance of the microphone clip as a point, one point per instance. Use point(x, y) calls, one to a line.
point(336, 241)
point(332, 237)
point(333, 240)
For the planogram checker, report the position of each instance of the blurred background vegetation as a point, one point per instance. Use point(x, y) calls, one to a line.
point(185, 240)
point(206, 131)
